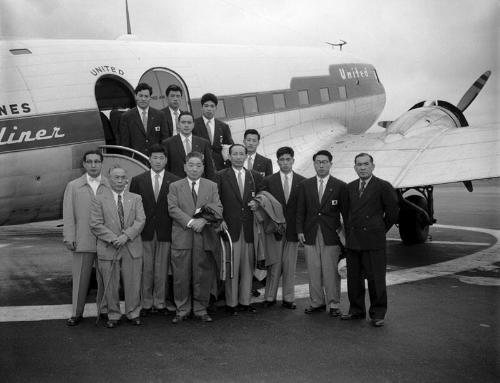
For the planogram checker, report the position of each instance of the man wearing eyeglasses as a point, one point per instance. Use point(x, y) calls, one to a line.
point(76, 230)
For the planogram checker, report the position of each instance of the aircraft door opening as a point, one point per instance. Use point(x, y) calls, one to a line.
point(159, 79)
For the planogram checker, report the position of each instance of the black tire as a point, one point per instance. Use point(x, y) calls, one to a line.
point(413, 225)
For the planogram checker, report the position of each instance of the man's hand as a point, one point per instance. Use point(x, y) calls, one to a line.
point(253, 205)
point(120, 241)
point(198, 224)
point(71, 246)
point(302, 238)
point(223, 226)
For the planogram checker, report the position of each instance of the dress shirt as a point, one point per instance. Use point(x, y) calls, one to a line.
point(211, 126)
point(115, 196)
point(366, 182)
point(325, 181)
point(183, 139)
point(196, 188)
point(174, 118)
point(140, 110)
point(290, 178)
point(242, 175)
point(160, 180)
point(94, 182)
point(252, 156)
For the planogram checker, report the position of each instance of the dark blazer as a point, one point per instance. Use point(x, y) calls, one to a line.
point(176, 155)
point(236, 211)
point(157, 219)
point(372, 215)
point(222, 135)
point(263, 165)
point(168, 121)
point(273, 185)
point(133, 135)
point(311, 214)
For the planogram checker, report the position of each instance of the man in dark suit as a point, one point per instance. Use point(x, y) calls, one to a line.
point(172, 111)
point(254, 161)
point(321, 201)
point(142, 126)
point(181, 144)
point(373, 209)
point(212, 129)
point(284, 185)
point(237, 188)
point(153, 186)
point(192, 265)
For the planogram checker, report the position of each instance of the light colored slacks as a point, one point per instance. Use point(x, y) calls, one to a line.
point(286, 268)
point(81, 272)
point(239, 289)
point(156, 262)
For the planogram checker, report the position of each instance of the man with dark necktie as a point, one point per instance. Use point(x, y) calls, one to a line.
point(172, 111)
point(254, 161)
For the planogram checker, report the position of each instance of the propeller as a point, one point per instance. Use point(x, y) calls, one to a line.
point(473, 91)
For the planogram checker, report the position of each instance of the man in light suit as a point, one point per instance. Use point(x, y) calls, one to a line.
point(172, 111)
point(143, 126)
point(182, 144)
point(212, 129)
point(254, 161)
point(321, 201)
point(237, 188)
point(373, 209)
point(284, 186)
point(116, 219)
point(76, 230)
point(153, 186)
point(192, 265)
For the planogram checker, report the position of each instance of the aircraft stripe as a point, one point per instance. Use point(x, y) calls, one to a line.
point(480, 259)
point(449, 242)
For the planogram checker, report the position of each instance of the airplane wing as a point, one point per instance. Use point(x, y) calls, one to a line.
point(434, 154)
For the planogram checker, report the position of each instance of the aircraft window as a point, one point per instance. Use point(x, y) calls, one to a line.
point(279, 101)
point(23, 51)
point(325, 94)
point(303, 97)
point(250, 105)
point(342, 93)
point(221, 110)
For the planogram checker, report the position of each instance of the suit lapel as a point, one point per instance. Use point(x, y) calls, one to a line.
point(138, 120)
point(328, 190)
point(202, 193)
point(196, 145)
point(277, 185)
point(113, 207)
point(163, 187)
point(217, 133)
point(180, 145)
point(127, 206)
point(186, 190)
point(234, 183)
point(249, 187)
point(295, 184)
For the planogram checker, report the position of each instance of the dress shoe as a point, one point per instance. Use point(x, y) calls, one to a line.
point(353, 316)
point(289, 305)
point(377, 322)
point(135, 321)
point(103, 316)
point(179, 319)
point(231, 310)
point(247, 308)
point(205, 318)
point(310, 309)
point(334, 312)
point(111, 323)
point(146, 312)
point(255, 293)
point(269, 303)
point(74, 321)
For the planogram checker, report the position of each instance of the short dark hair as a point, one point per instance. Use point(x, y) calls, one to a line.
point(284, 150)
point(233, 145)
point(143, 86)
point(209, 97)
point(185, 113)
point(195, 155)
point(173, 88)
point(157, 148)
point(95, 151)
point(362, 155)
point(323, 153)
point(251, 131)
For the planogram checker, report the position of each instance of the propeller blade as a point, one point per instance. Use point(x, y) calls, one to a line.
point(473, 91)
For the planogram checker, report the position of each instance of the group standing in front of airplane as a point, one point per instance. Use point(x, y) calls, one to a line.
point(159, 238)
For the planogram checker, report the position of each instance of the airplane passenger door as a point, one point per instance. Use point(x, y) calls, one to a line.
point(159, 79)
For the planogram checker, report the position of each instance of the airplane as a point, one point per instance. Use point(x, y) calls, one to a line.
point(60, 98)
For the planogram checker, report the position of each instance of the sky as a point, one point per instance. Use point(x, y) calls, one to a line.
point(422, 49)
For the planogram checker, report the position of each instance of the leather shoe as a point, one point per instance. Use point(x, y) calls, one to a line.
point(289, 305)
point(74, 321)
point(377, 322)
point(269, 303)
point(231, 310)
point(352, 316)
point(135, 321)
point(310, 309)
point(146, 312)
point(205, 318)
point(179, 319)
point(335, 312)
point(255, 293)
point(103, 316)
point(111, 323)
point(247, 308)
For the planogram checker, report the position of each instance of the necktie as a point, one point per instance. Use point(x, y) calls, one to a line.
point(320, 191)
point(362, 188)
point(240, 183)
point(120, 211)
point(176, 119)
point(250, 163)
point(188, 146)
point(193, 192)
point(209, 131)
point(144, 120)
point(286, 188)
point(157, 186)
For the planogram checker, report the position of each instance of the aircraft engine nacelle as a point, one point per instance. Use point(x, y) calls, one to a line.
point(456, 113)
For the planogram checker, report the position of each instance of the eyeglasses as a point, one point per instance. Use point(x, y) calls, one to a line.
point(324, 162)
point(90, 162)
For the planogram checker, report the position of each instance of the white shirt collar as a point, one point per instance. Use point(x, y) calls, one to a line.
point(325, 179)
point(207, 120)
point(183, 137)
point(366, 181)
point(236, 171)
point(140, 110)
point(115, 195)
point(153, 174)
point(91, 179)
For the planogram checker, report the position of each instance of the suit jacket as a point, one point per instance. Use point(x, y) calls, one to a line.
point(370, 216)
point(176, 155)
point(263, 165)
point(105, 224)
point(312, 214)
point(133, 135)
point(78, 197)
point(168, 121)
point(237, 213)
point(157, 219)
point(181, 208)
point(273, 185)
point(222, 135)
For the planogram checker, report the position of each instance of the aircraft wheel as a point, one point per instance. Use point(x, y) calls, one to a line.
point(413, 225)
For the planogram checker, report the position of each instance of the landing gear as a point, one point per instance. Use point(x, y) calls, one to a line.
point(416, 214)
